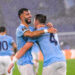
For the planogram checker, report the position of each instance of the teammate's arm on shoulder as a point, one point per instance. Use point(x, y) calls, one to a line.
point(38, 33)
point(34, 33)
point(14, 47)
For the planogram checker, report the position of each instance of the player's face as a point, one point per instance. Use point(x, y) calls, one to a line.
point(35, 23)
point(27, 16)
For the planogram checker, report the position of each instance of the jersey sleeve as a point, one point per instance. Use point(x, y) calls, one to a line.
point(35, 48)
point(20, 31)
point(11, 40)
point(56, 37)
point(32, 39)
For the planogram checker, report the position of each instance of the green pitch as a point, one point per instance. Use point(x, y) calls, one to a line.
point(70, 68)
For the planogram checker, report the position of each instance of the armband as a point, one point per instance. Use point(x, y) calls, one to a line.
point(14, 60)
point(45, 31)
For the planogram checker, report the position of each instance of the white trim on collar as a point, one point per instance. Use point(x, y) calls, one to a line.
point(22, 24)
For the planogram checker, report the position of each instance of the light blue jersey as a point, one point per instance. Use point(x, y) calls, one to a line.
point(50, 48)
point(21, 40)
point(35, 48)
point(6, 45)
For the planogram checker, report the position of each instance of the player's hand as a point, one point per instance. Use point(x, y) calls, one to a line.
point(36, 63)
point(49, 24)
point(36, 66)
point(12, 57)
point(52, 30)
point(10, 67)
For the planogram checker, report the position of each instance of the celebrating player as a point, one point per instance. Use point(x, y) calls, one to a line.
point(23, 32)
point(54, 60)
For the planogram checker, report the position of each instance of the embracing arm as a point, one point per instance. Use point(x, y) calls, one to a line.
point(38, 33)
point(19, 54)
point(23, 50)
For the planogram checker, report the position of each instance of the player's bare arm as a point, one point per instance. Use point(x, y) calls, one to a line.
point(14, 47)
point(38, 33)
point(23, 50)
point(19, 54)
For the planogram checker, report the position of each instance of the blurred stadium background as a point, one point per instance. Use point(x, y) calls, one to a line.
point(60, 12)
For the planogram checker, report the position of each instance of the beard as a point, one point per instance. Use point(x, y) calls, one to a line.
point(28, 22)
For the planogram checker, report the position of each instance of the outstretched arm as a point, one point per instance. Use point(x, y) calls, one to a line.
point(23, 50)
point(38, 33)
point(19, 54)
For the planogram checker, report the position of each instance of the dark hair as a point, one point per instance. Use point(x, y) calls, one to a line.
point(21, 11)
point(41, 18)
point(2, 29)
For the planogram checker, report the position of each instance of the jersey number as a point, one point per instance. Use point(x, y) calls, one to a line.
point(3, 45)
point(52, 39)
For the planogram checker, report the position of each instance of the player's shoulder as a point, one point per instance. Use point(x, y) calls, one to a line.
point(41, 28)
point(31, 28)
point(8, 36)
point(21, 28)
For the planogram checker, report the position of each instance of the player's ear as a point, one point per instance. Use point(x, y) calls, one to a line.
point(37, 22)
point(21, 16)
point(5, 32)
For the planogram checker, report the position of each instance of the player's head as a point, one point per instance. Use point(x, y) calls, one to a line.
point(24, 14)
point(39, 19)
point(2, 29)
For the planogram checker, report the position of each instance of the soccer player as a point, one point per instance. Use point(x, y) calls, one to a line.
point(22, 33)
point(54, 60)
point(7, 48)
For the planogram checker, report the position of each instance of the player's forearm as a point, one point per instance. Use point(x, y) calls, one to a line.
point(35, 33)
point(23, 50)
point(38, 33)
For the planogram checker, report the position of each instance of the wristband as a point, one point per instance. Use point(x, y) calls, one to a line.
point(45, 31)
point(14, 60)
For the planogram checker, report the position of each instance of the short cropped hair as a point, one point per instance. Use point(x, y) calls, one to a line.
point(21, 11)
point(2, 29)
point(41, 18)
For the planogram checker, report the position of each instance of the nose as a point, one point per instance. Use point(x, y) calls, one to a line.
point(30, 15)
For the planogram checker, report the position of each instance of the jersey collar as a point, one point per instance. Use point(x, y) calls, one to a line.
point(22, 24)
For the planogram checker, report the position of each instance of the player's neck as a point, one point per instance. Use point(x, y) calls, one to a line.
point(2, 33)
point(40, 25)
point(25, 24)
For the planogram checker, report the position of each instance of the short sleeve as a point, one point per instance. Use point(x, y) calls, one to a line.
point(56, 37)
point(31, 39)
point(11, 40)
point(20, 31)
